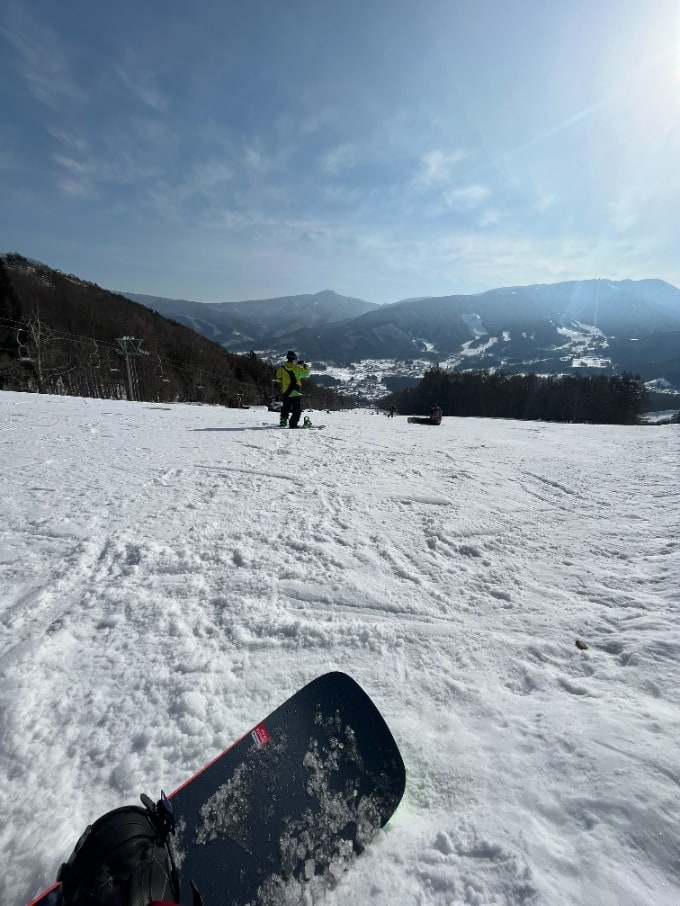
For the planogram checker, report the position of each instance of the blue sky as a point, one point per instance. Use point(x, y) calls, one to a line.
point(222, 151)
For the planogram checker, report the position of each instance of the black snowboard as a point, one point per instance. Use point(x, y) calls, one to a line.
point(283, 812)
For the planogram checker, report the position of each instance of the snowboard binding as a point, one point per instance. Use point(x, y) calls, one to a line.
point(161, 814)
point(124, 859)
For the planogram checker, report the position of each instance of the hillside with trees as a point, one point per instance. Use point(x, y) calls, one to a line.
point(604, 400)
point(63, 335)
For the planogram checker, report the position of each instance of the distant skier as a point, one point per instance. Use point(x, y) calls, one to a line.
point(289, 377)
point(392, 412)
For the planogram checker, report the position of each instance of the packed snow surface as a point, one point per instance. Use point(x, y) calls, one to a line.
point(169, 574)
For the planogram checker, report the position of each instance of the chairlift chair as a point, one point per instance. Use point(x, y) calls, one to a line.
point(94, 356)
point(24, 355)
point(158, 371)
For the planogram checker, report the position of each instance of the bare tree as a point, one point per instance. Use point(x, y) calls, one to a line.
point(40, 336)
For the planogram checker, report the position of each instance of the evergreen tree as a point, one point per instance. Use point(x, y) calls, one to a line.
point(600, 399)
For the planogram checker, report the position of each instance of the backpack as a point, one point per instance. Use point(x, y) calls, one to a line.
point(123, 859)
point(293, 383)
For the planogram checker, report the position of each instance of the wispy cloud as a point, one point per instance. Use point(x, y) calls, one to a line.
point(466, 197)
point(89, 165)
point(194, 197)
point(456, 260)
point(340, 158)
point(489, 217)
point(206, 176)
point(623, 215)
point(43, 59)
point(464, 202)
point(258, 159)
point(77, 187)
point(142, 84)
point(544, 203)
point(71, 142)
point(439, 166)
point(76, 177)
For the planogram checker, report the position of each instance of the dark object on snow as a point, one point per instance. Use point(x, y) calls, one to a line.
point(123, 859)
point(581, 645)
point(435, 417)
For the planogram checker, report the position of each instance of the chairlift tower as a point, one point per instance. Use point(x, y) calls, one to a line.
point(131, 349)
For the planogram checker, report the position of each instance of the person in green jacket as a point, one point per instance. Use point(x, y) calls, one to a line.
point(289, 377)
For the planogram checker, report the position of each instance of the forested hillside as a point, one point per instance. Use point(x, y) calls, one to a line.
point(60, 334)
point(605, 400)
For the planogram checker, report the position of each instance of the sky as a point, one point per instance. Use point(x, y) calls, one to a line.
point(170, 574)
point(223, 152)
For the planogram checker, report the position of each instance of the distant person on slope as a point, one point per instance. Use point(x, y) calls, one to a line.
point(436, 414)
point(289, 377)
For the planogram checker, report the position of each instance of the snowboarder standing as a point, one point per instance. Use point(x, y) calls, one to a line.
point(289, 377)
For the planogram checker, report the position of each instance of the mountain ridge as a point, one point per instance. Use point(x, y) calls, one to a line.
point(596, 325)
point(244, 322)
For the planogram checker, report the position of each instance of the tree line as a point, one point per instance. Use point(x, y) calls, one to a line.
point(617, 399)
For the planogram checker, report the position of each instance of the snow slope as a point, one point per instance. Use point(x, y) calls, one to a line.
point(169, 574)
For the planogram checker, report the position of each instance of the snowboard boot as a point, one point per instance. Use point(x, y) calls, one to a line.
point(283, 421)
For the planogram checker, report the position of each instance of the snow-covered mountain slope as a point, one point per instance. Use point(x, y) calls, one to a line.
point(596, 326)
point(169, 574)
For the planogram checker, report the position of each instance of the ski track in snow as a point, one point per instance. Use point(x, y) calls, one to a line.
point(171, 574)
